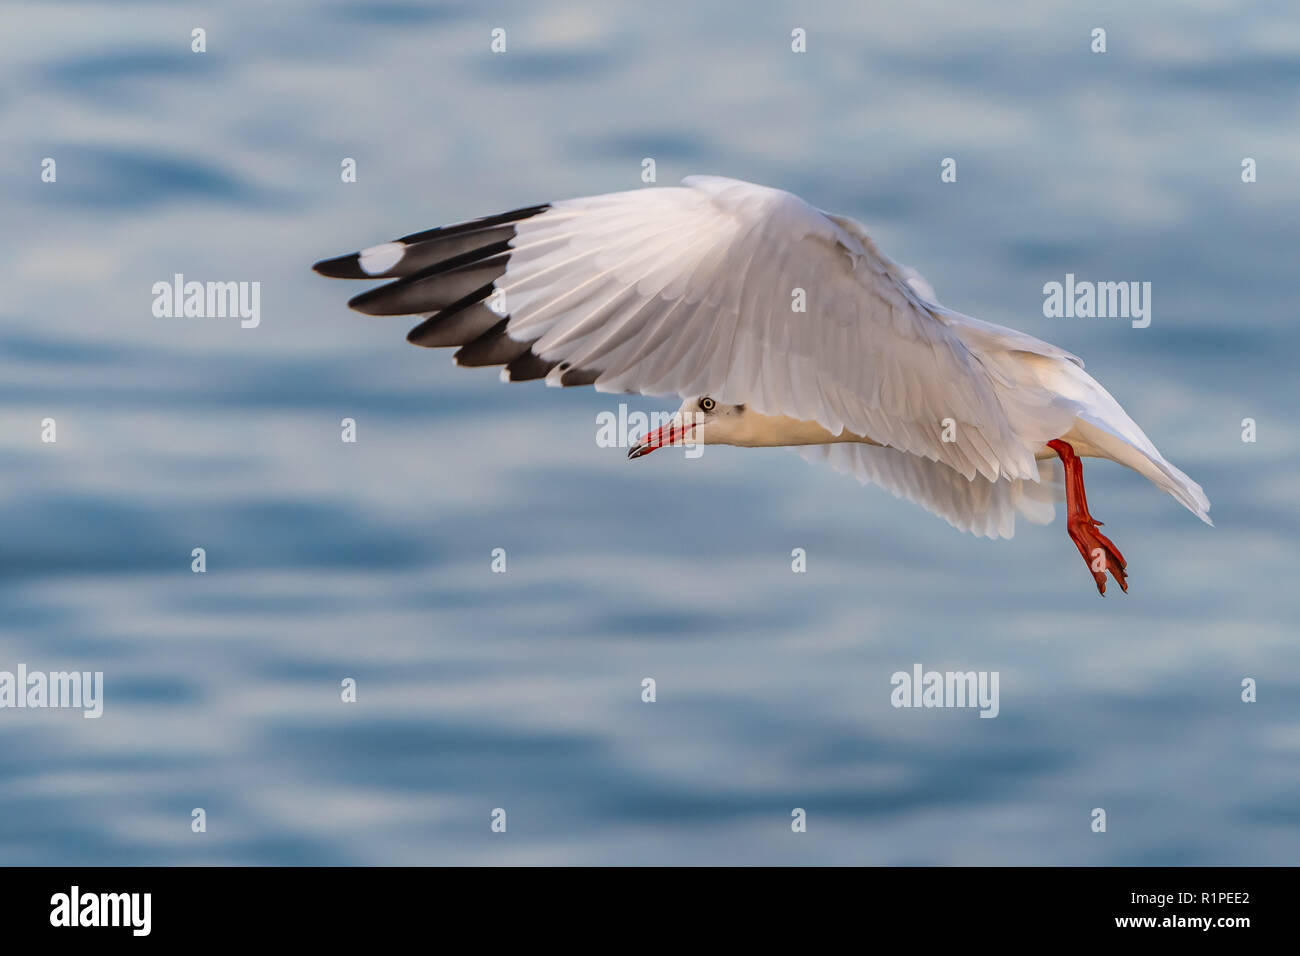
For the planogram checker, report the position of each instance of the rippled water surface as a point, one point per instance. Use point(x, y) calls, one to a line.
point(523, 690)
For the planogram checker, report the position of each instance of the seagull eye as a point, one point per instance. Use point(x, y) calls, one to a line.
point(707, 404)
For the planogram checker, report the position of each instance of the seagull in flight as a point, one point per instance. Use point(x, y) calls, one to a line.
point(778, 324)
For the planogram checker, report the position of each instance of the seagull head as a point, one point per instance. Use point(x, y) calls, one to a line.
point(700, 421)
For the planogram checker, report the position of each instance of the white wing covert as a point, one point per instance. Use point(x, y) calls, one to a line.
point(982, 507)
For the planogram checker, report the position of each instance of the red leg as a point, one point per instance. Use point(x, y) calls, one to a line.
point(1098, 551)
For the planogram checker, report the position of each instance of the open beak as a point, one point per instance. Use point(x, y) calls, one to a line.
point(674, 433)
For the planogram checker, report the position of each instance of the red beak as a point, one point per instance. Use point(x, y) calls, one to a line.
point(674, 433)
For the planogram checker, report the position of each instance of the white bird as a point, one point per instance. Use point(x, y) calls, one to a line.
point(778, 324)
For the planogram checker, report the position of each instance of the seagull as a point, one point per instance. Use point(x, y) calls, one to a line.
point(778, 324)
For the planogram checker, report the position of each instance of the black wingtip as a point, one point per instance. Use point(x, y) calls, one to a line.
point(342, 267)
point(371, 302)
point(440, 249)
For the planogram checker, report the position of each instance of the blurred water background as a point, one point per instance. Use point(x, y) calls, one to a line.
point(522, 690)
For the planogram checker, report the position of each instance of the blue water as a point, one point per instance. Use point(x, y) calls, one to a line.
point(522, 690)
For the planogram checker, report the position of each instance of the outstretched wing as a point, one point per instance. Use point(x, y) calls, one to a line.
point(717, 287)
